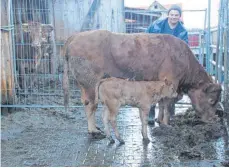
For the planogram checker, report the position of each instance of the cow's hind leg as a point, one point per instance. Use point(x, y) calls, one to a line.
point(87, 98)
point(90, 109)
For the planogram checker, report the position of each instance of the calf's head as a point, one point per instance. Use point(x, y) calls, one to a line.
point(38, 32)
point(168, 90)
point(205, 99)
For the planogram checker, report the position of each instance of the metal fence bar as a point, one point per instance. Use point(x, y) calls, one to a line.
point(226, 59)
point(208, 38)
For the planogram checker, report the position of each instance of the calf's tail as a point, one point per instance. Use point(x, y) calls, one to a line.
point(97, 92)
point(98, 84)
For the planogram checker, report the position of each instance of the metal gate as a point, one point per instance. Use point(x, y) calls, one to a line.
point(39, 31)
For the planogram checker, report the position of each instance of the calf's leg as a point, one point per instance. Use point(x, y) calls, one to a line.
point(144, 113)
point(105, 118)
point(161, 112)
point(113, 116)
point(167, 104)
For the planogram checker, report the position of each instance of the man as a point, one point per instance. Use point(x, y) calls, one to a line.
point(170, 25)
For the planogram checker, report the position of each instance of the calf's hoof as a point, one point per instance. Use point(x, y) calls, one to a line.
point(146, 140)
point(99, 129)
point(98, 135)
point(112, 141)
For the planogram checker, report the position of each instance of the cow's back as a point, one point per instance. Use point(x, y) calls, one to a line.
point(142, 55)
point(91, 45)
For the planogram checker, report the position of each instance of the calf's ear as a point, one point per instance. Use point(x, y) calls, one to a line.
point(167, 82)
point(47, 28)
point(25, 27)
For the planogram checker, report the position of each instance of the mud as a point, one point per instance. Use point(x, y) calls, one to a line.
point(49, 137)
point(189, 138)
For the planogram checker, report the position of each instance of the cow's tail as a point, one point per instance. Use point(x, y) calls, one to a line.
point(65, 78)
point(97, 92)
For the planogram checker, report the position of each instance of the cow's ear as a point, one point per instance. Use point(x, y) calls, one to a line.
point(47, 28)
point(167, 82)
point(212, 87)
point(25, 27)
point(211, 101)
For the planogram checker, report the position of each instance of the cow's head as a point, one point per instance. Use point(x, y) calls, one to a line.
point(205, 99)
point(38, 32)
point(168, 90)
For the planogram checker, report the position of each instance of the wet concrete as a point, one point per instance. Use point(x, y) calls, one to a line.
point(48, 137)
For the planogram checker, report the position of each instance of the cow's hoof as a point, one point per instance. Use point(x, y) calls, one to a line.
point(151, 122)
point(157, 121)
point(98, 135)
point(121, 141)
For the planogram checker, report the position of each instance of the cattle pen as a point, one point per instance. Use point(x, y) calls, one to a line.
point(33, 33)
point(209, 45)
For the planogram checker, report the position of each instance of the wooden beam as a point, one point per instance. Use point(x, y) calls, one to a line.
point(90, 15)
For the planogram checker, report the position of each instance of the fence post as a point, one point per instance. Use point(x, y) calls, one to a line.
point(7, 75)
point(226, 55)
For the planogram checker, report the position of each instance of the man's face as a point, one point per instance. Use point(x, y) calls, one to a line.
point(173, 17)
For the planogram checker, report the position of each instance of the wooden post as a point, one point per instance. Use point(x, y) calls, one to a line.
point(7, 75)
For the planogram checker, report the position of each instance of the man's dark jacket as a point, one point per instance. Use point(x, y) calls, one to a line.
point(159, 25)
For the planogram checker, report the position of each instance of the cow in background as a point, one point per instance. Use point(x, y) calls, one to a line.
point(31, 40)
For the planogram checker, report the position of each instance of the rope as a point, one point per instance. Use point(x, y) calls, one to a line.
point(7, 28)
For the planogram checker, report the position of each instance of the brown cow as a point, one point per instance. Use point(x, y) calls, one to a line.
point(115, 92)
point(150, 57)
point(31, 44)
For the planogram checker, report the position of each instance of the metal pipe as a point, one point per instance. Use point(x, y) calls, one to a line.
point(218, 41)
point(226, 52)
point(220, 56)
point(208, 39)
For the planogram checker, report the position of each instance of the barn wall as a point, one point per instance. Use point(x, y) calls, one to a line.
point(80, 15)
point(71, 16)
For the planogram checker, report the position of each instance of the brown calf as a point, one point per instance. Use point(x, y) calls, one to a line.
point(114, 92)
